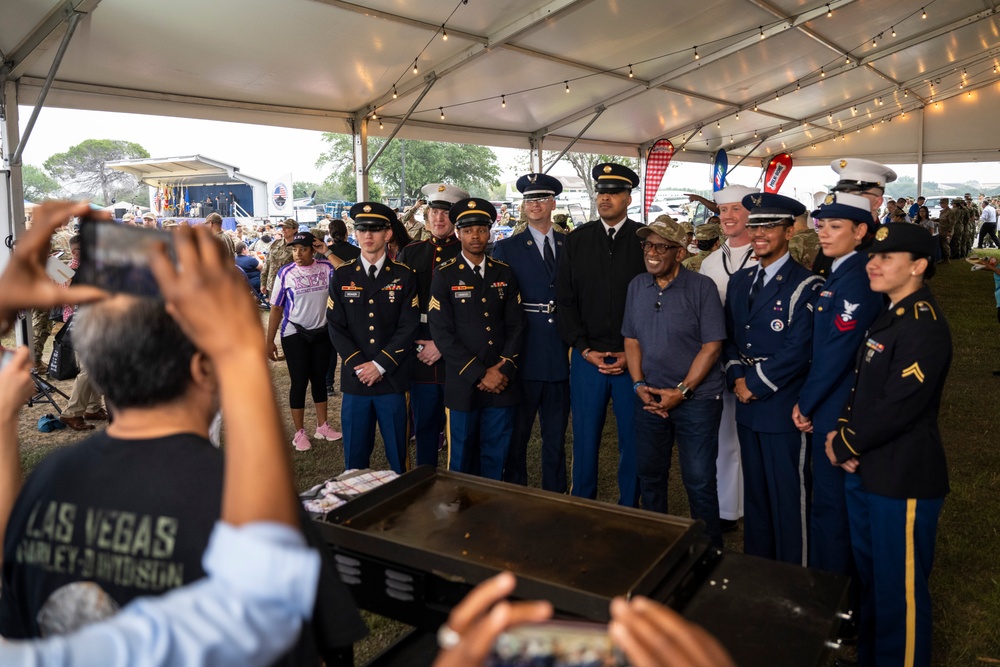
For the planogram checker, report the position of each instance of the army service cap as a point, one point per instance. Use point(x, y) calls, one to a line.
point(903, 237)
point(472, 211)
point(614, 177)
point(372, 216)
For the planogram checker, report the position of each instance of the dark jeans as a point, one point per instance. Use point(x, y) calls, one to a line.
point(988, 229)
point(307, 362)
point(695, 423)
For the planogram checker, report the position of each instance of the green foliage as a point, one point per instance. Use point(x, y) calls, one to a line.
point(473, 168)
point(37, 184)
point(82, 169)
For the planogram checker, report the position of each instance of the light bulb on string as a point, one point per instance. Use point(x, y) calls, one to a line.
point(893, 31)
point(415, 70)
point(847, 59)
point(798, 86)
point(380, 125)
point(441, 109)
point(737, 115)
point(630, 74)
point(923, 13)
point(873, 42)
point(777, 96)
point(718, 124)
point(754, 106)
point(755, 134)
point(762, 32)
point(394, 95)
point(700, 133)
point(567, 85)
point(503, 101)
point(444, 33)
point(696, 56)
point(829, 12)
point(822, 73)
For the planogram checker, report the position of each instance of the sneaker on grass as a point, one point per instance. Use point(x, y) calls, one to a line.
point(325, 432)
point(301, 441)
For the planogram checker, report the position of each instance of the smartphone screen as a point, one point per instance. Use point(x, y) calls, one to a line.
point(116, 257)
point(562, 643)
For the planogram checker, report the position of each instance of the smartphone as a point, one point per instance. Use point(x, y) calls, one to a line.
point(563, 643)
point(115, 257)
point(5, 357)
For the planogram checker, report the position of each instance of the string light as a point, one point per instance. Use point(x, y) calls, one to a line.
point(829, 12)
point(700, 133)
point(906, 93)
point(567, 85)
point(777, 96)
point(830, 116)
point(781, 129)
point(696, 56)
point(762, 32)
point(798, 86)
point(503, 101)
point(415, 70)
point(923, 14)
point(847, 59)
point(755, 134)
point(380, 125)
point(394, 95)
point(893, 31)
point(737, 115)
point(730, 138)
point(855, 109)
point(873, 41)
point(630, 74)
point(441, 109)
point(903, 115)
point(822, 73)
point(444, 33)
point(718, 124)
point(754, 106)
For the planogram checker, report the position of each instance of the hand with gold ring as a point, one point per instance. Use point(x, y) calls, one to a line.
point(474, 625)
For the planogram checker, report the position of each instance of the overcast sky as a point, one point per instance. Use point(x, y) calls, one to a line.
point(270, 152)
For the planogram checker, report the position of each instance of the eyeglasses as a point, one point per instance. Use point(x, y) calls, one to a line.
point(532, 202)
point(766, 227)
point(657, 248)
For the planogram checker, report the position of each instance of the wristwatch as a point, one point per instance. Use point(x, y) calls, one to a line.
point(686, 392)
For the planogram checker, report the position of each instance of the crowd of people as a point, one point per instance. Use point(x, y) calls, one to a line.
point(796, 359)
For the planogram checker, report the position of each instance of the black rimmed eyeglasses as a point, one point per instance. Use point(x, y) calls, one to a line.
point(657, 248)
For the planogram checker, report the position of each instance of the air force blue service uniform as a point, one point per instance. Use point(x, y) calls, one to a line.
point(427, 390)
point(374, 319)
point(477, 323)
point(543, 372)
point(592, 285)
point(769, 346)
point(894, 500)
point(845, 309)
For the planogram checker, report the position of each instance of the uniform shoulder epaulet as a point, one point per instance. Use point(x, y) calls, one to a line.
point(559, 230)
point(497, 261)
point(450, 262)
point(348, 262)
point(923, 308)
point(398, 264)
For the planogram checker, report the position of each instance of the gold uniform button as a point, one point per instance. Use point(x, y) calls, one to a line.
point(372, 341)
point(371, 314)
point(437, 259)
point(371, 301)
point(487, 328)
point(820, 309)
point(484, 299)
point(371, 328)
point(490, 342)
point(900, 311)
point(486, 314)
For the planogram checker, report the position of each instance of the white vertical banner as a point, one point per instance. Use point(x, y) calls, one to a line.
point(280, 202)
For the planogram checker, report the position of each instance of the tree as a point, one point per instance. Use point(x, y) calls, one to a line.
point(473, 168)
point(37, 184)
point(83, 169)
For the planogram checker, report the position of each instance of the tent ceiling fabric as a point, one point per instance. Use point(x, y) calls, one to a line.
point(324, 64)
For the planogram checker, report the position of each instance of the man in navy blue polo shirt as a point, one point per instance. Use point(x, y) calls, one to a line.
point(674, 327)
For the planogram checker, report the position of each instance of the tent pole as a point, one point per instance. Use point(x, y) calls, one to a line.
point(359, 131)
point(920, 153)
point(598, 110)
point(11, 192)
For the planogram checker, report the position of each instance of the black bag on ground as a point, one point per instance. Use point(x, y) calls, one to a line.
point(62, 363)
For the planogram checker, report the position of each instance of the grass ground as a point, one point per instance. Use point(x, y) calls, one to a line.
point(965, 584)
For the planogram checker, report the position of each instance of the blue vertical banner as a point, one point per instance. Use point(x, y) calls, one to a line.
point(719, 170)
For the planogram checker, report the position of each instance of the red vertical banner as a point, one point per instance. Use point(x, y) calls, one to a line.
point(657, 162)
point(777, 170)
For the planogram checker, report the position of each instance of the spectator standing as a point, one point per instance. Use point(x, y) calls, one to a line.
point(278, 255)
point(674, 328)
point(988, 221)
point(298, 309)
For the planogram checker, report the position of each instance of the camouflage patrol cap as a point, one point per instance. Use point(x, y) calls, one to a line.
point(708, 231)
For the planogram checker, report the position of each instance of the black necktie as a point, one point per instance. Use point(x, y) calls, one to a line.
point(758, 285)
point(372, 270)
point(611, 239)
point(478, 270)
point(550, 258)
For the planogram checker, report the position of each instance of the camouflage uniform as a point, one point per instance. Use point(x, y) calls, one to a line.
point(279, 255)
point(804, 247)
point(946, 228)
point(694, 261)
point(415, 228)
point(41, 329)
point(705, 232)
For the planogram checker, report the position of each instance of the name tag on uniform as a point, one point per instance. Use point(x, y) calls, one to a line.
point(352, 294)
point(463, 295)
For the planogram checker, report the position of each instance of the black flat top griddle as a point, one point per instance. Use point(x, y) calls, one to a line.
point(575, 552)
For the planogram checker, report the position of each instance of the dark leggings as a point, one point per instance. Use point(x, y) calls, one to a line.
point(307, 364)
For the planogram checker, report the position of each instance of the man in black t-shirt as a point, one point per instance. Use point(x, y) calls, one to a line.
point(128, 512)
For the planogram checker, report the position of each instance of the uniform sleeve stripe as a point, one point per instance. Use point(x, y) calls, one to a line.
point(763, 378)
point(390, 357)
point(466, 366)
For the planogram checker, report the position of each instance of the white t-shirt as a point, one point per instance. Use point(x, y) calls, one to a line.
point(302, 291)
point(726, 261)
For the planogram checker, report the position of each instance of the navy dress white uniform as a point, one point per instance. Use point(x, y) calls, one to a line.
point(427, 390)
point(372, 316)
point(845, 309)
point(477, 323)
point(769, 346)
point(592, 286)
point(544, 369)
point(890, 425)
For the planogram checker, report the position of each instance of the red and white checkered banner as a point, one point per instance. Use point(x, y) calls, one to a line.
point(777, 170)
point(657, 162)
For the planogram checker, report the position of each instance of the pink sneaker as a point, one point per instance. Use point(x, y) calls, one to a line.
point(301, 441)
point(325, 432)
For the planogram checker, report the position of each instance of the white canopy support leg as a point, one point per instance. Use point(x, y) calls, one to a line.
point(11, 192)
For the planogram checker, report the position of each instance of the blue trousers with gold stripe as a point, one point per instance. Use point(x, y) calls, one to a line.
point(358, 416)
point(893, 542)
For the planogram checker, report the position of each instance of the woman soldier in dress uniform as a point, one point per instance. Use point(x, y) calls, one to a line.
point(888, 437)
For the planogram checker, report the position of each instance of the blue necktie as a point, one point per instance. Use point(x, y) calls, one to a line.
point(758, 285)
point(550, 258)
